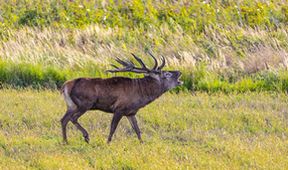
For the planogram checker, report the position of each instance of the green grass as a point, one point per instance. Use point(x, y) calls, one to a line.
point(193, 16)
point(224, 48)
point(238, 36)
point(23, 75)
point(229, 46)
point(180, 131)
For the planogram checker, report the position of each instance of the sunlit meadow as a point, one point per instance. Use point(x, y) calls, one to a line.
point(180, 131)
point(231, 112)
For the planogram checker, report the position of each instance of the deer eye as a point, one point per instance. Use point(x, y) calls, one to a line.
point(167, 75)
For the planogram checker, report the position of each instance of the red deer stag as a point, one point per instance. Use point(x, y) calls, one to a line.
point(121, 96)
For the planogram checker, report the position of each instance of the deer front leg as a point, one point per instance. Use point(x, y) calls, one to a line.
point(115, 120)
point(133, 121)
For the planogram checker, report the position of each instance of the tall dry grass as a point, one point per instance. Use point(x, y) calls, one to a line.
point(241, 49)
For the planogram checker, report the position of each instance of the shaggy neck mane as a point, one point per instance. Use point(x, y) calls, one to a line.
point(149, 88)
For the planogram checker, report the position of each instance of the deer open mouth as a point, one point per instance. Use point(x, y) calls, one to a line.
point(179, 81)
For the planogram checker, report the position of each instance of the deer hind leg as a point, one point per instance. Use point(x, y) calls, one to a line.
point(74, 120)
point(133, 121)
point(64, 121)
point(71, 109)
point(115, 120)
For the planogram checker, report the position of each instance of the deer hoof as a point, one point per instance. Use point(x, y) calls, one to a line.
point(87, 139)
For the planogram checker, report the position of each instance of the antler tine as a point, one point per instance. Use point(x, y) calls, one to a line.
point(114, 66)
point(162, 64)
point(135, 70)
point(131, 63)
point(124, 63)
point(156, 62)
point(129, 66)
point(117, 69)
point(141, 62)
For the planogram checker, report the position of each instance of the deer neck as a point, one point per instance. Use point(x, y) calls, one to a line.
point(149, 89)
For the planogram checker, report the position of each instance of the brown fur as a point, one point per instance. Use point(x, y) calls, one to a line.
point(121, 96)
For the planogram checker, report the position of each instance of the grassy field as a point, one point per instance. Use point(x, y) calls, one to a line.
point(228, 46)
point(181, 131)
point(231, 112)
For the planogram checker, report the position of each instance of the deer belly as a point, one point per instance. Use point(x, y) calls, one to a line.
point(105, 105)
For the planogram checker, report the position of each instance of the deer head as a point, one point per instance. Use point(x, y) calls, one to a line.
point(167, 79)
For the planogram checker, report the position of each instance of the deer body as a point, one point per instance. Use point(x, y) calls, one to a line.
point(121, 96)
point(117, 94)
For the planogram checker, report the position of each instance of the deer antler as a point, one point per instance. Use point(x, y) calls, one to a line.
point(162, 64)
point(156, 62)
point(156, 68)
point(129, 66)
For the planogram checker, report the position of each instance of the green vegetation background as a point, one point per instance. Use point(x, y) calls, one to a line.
point(218, 45)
